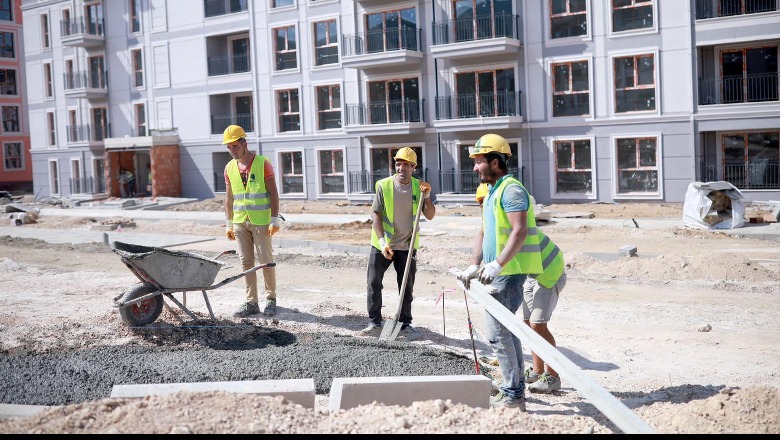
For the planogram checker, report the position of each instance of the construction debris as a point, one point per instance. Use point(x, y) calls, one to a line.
point(627, 251)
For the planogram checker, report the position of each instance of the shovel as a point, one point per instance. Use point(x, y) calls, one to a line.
point(393, 326)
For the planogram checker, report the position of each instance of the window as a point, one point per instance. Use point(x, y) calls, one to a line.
point(630, 15)
point(469, 180)
point(634, 83)
point(285, 48)
point(486, 93)
point(8, 82)
point(51, 129)
point(749, 75)
point(99, 124)
point(637, 163)
point(11, 119)
point(331, 171)
point(292, 172)
point(45, 33)
point(7, 45)
point(394, 101)
point(328, 107)
point(6, 10)
point(54, 177)
point(135, 15)
point(571, 89)
point(97, 72)
point(573, 167)
point(138, 67)
point(13, 157)
point(391, 30)
point(140, 120)
point(282, 3)
point(289, 110)
point(383, 165)
point(326, 43)
point(568, 18)
point(74, 132)
point(751, 160)
point(214, 8)
point(238, 51)
point(48, 81)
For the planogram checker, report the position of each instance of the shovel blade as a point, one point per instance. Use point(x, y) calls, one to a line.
point(390, 330)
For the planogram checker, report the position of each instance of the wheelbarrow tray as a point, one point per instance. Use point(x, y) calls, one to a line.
point(170, 269)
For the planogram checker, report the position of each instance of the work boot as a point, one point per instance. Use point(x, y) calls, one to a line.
point(247, 309)
point(501, 400)
point(270, 308)
point(546, 384)
point(408, 331)
point(373, 329)
point(531, 376)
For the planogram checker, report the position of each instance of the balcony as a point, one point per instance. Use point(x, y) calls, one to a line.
point(86, 85)
point(215, 8)
point(739, 89)
point(495, 110)
point(227, 65)
point(466, 181)
point(759, 174)
point(386, 117)
point(81, 33)
point(219, 122)
point(87, 133)
point(476, 37)
point(392, 47)
point(706, 9)
point(364, 182)
point(88, 185)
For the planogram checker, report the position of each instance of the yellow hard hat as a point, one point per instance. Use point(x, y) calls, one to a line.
point(491, 143)
point(406, 154)
point(482, 192)
point(232, 133)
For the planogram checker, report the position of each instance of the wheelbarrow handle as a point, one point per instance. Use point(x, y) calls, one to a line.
point(242, 274)
point(230, 252)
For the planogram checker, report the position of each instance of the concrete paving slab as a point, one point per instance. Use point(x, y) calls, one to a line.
point(77, 236)
point(8, 411)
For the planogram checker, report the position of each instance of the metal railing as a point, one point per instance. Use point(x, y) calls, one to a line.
point(214, 8)
point(86, 80)
point(719, 8)
point(219, 182)
point(78, 133)
point(739, 89)
point(79, 26)
point(757, 175)
point(390, 112)
point(478, 105)
point(467, 181)
point(364, 182)
point(88, 185)
point(219, 122)
point(382, 41)
point(226, 65)
point(481, 27)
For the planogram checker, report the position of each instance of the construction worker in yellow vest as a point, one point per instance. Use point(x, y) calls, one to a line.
point(252, 215)
point(508, 245)
point(394, 210)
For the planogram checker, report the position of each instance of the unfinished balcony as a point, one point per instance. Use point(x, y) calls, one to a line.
point(86, 85)
point(405, 116)
point(391, 47)
point(478, 111)
point(228, 54)
point(480, 36)
point(216, 8)
point(87, 134)
point(739, 89)
point(82, 33)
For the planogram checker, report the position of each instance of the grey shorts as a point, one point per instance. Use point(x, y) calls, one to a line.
point(538, 301)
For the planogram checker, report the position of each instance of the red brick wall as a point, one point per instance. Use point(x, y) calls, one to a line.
point(166, 171)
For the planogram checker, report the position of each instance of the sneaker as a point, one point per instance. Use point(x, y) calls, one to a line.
point(408, 331)
point(373, 329)
point(270, 308)
point(501, 400)
point(531, 376)
point(247, 309)
point(546, 384)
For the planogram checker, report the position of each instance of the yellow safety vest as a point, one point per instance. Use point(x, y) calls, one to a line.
point(552, 261)
point(387, 185)
point(252, 202)
point(529, 259)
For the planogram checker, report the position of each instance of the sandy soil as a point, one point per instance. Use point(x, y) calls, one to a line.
point(686, 333)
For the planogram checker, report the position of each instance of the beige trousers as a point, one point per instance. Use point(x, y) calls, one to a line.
point(254, 238)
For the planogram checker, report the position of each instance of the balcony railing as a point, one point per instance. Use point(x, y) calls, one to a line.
point(79, 26)
point(382, 41)
point(739, 89)
point(88, 185)
point(220, 122)
point(759, 174)
point(228, 64)
point(466, 181)
point(86, 80)
point(480, 105)
point(720, 8)
point(390, 112)
point(78, 133)
point(364, 182)
point(219, 182)
point(476, 28)
point(213, 8)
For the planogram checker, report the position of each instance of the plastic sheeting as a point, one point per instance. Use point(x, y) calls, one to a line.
point(704, 209)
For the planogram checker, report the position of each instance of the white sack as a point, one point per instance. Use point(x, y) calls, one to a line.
point(698, 205)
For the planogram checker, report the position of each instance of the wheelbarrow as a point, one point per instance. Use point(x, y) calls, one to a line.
point(162, 273)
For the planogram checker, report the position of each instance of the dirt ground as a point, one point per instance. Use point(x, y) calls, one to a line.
point(686, 333)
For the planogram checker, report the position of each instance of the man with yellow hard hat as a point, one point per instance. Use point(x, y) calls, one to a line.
point(252, 215)
point(394, 210)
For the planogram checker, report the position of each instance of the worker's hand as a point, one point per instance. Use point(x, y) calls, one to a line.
point(469, 274)
point(386, 250)
point(425, 189)
point(229, 231)
point(489, 272)
point(275, 225)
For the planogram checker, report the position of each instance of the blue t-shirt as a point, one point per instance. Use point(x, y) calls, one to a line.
point(514, 199)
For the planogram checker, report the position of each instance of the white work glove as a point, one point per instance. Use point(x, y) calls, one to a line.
point(385, 248)
point(275, 225)
point(425, 189)
point(489, 272)
point(229, 230)
point(469, 274)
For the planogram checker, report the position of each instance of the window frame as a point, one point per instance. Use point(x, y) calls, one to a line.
point(272, 7)
point(335, 173)
point(552, 64)
point(611, 18)
point(568, 39)
point(276, 52)
point(331, 108)
point(554, 169)
point(18, 120)
point(55, 187)
point(280, 114)
point(12, 36)
point(15, 80)
point(134, 16)
point(7, 6)
point(51, 129)
point(658, 168)
point(328, 45)
point(20, 157)
point(139, 109)
point(281, 173)
point(635, 55)
point(48, 80)
point(136, 70)
point(45, 31)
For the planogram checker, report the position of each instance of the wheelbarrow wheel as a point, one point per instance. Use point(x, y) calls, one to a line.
point(144, 312)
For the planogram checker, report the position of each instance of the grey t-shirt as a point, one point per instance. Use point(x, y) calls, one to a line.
point(403, 216)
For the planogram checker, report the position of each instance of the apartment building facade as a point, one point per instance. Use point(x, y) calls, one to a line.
point(16, 172)
point(617, 100)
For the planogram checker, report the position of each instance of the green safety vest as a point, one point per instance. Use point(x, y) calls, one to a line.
point(552, 261)
point(253, 202)
point(387, 217)
point(529, 259)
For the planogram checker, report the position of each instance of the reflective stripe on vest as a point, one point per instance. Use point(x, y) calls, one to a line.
point(529, 259)
point(253, 202)
point(552, 262)
point(388, 189)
